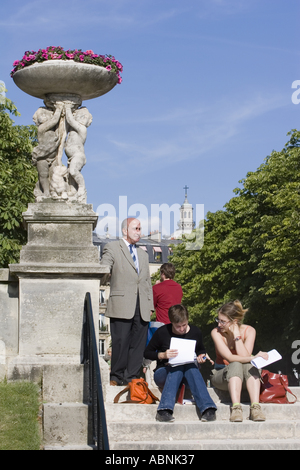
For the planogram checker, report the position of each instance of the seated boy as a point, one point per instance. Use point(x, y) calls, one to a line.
point(169, 378)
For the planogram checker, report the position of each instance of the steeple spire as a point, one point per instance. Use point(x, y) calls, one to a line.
point(186, 188)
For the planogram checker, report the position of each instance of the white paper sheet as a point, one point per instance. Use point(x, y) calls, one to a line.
point(186, 351)
point(260, 363)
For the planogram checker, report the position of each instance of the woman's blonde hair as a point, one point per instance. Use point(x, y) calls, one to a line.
point(234, 311)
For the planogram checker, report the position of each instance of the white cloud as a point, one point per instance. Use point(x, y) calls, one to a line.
point(201, 130)
point(111, 14)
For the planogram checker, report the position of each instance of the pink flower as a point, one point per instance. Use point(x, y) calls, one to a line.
point(55, 56)
point(52, 52)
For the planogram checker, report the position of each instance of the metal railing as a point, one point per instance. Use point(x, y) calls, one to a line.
point(91, 357)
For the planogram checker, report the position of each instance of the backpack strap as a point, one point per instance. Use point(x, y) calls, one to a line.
point(117, 397)
point(287, 390)
point(153, 396)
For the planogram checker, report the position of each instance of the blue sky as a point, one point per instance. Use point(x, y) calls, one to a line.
point(206, 92)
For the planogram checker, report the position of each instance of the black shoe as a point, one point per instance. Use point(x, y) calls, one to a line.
point(117, 382)
point(165, 416)
point(209, 415)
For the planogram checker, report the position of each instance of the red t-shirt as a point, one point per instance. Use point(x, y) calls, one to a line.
point(165, 295)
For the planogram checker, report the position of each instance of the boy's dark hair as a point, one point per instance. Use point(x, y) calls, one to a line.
point(168, 269)
point(178, 314)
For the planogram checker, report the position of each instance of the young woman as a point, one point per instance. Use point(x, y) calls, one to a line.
point(169, 378)
point(234, 343)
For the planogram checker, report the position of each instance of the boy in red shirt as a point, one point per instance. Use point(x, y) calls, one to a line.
point(166, 293)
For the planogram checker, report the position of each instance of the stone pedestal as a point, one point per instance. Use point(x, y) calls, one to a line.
point(57, 267)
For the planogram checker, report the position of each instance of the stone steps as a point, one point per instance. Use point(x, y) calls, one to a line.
point(192, 435)
point(129, 412)
point(212, 444)
point(133, 427)
point(218, 396)
point(69, 447)
point(65, 408)
point(66, 423)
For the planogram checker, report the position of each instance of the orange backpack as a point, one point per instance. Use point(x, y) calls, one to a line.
point(138, 392)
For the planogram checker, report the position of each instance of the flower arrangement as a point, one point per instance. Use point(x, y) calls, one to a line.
point(58, 53)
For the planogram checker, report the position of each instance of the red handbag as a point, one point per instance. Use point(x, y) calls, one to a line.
point(274, 388)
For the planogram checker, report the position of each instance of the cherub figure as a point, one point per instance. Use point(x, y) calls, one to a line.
point(78, 122)
point(59, 182)
point(45, 153)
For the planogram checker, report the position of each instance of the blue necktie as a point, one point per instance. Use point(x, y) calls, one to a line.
point(133, 257)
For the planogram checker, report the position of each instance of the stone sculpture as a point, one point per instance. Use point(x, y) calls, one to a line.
point(62, 125)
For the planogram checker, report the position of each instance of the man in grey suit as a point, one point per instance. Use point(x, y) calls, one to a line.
point(130, 302)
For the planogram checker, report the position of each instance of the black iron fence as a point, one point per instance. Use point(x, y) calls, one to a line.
point(91, 357)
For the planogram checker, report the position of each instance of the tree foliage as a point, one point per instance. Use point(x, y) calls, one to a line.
point(17, 181)
point(252, 252)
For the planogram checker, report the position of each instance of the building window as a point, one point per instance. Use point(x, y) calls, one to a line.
point(102, 297)
point(101, 347)
point(102, 323)
point(157, 253)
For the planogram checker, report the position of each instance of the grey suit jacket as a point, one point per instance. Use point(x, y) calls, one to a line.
point(126, 284)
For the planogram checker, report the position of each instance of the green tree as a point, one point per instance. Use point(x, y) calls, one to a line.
point(17, 180)
point(252, 252)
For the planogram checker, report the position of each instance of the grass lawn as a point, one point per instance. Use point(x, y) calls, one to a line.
point(19, 416)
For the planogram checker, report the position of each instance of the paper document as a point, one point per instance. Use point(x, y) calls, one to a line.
point(186, 351)
point(260, 363)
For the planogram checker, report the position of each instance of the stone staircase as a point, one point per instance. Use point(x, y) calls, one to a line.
point(133, 427)
point(66, 423)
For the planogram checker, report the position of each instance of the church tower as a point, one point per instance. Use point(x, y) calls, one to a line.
point(186, 223)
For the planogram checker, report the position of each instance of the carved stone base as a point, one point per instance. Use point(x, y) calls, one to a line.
point(59, 232)
point(57, 267)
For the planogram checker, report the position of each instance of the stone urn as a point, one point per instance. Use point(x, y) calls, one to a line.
point(65, 77)
point(62, 123)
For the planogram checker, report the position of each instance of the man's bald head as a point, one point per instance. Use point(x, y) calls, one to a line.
point(131, 229)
